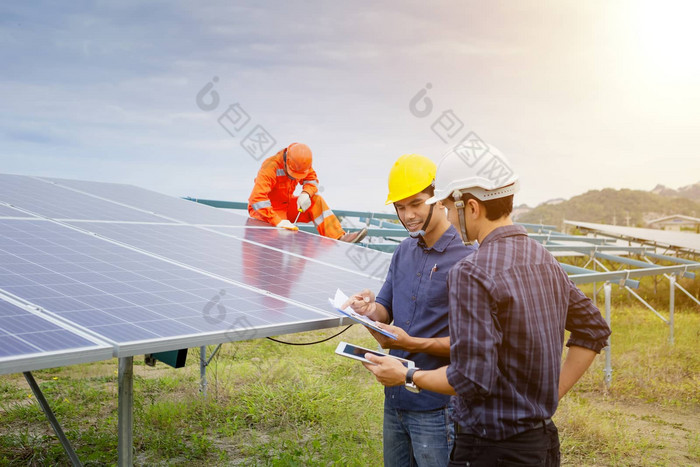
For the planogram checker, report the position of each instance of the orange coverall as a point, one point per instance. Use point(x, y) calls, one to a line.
point(272, 198)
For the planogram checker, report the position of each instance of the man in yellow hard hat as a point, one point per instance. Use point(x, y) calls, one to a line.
point(272, 199)
point(417, 426)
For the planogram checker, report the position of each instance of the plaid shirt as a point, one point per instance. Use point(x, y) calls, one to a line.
point(509, 305)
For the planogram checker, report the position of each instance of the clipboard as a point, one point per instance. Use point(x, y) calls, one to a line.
point(341, 298)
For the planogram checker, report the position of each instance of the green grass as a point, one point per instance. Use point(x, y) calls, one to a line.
point(270, 404)
point(650, 415)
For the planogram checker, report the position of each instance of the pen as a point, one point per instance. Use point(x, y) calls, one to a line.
point(433, 270)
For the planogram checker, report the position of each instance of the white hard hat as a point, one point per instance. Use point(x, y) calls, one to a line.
point(482, 171)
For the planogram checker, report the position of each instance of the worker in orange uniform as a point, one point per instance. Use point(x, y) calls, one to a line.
point(273, 200)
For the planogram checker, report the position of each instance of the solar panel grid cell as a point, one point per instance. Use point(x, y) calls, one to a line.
point(46, 199)
point(163, 205)
point(29, 341)
point(6, 211)
point(14, 346)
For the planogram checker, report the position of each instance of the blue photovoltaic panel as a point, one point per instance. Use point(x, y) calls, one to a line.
point(146, 283)
point(163, 205)
point(139, 302)
point(339, 254)
point(49, 200)
point(31, 342)
point(6, 211)
point(298, 278)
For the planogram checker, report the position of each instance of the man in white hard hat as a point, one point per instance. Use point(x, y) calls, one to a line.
point(510, 303)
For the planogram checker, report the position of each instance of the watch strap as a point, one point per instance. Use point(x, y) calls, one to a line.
point(409, 375)
point(409, 384)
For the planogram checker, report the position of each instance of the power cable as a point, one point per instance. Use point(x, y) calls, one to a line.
point(310, 343)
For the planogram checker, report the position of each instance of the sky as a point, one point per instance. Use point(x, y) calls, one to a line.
point(186, 98)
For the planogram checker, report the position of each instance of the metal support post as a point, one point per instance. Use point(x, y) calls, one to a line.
point(682, 289)
point(203, 370)
point(595, 290)
point(126, 412)
point(43, 403)
point(203, 364)
point(671, 305)
point(608, 317)
point(595, 295)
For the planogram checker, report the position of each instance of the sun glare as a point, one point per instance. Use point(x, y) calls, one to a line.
point(668, 37)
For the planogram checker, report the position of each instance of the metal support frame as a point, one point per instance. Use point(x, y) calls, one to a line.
point(646, 304)
point(678, 269)
point(595, 295)
point(43, 403)
point(546, 238)
point(608, 317)
point(635, 295)
point(630, 239)
point(203, 364)
point(678, 286)
point(203, 370)
point(671, 306)
point(578, 272)
point(683, 289)
point(125, 411)
point(671, 276)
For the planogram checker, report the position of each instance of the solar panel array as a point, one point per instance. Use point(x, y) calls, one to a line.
point(690, 242)
point(89, 270)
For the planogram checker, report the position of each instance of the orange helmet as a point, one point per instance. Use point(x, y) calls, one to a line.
point(298, 160)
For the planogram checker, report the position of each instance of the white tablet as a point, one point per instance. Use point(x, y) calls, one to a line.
point(358, 353)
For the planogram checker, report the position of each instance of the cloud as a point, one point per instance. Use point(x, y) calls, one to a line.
point(88, 86)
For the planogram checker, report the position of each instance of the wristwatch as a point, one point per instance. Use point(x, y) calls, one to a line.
point(410, 385)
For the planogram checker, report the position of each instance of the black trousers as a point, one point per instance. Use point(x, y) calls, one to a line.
point(539, 446)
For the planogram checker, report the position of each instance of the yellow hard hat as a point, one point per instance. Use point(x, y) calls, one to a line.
point(410, 174)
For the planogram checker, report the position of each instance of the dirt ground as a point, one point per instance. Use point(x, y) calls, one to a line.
point(672, 428)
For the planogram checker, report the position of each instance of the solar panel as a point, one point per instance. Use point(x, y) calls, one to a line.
point(6, 211)
point(162, 205)
point(29, 341)
point(364, 261)
point(179, 210)
point(679, 239)
point(46, 199)
point(134, 300)
point(98, 262)
point(295, 275)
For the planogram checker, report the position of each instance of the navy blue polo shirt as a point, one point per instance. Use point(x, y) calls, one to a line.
point(415, 295)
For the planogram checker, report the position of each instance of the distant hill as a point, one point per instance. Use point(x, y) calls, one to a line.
point(690, 191)
point(618, 207)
